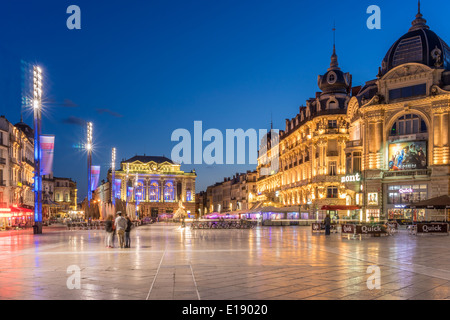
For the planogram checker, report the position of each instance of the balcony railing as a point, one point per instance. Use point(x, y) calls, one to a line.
point(409, 173)
point(354, 143)
point(332, 153)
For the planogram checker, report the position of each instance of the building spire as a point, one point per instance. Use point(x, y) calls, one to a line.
point(419, 22)
point(334, 65)
point(271, 122)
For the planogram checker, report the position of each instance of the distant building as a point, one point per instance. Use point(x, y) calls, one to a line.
point(156, 184)
point(17, 177)
point(233, 194)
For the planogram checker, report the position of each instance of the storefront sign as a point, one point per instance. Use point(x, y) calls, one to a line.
point(351, 178)
point(348, 228)
point(369, 229)
point(406, 190)
point(432, 228)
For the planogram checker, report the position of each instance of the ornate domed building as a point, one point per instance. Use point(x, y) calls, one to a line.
point(419, 45)
point(399, 129)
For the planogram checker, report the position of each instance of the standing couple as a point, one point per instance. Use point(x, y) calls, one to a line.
point(121, 226)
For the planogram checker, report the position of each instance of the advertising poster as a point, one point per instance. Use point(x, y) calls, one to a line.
point(47, 151)
point(95, 176)
point(117, 188)
point(372, 199)
point(409, 155)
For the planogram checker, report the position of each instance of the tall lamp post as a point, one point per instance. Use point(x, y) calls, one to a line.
point(37, 99)
point(89, 161)
point(113, 176)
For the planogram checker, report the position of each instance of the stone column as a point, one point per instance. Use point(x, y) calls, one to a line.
point(161, 190)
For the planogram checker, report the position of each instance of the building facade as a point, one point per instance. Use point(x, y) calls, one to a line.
point(311, 151)
point(369, 152)
point(399, 128)
point(156, 185)
point(233, 194)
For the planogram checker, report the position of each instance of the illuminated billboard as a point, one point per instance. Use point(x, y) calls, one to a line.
point(408, 155)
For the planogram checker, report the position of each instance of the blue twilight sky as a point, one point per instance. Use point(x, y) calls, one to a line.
point(140, 69)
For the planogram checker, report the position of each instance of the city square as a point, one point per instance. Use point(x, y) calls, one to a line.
point(248, 151)
point(167, 262)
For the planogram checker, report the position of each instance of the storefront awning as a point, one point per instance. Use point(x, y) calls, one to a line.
point(342, 207)
point(442, 202)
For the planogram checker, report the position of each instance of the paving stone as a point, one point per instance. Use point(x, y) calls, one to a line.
point(266, 263)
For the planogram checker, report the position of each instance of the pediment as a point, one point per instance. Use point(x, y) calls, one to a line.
point(407, 70)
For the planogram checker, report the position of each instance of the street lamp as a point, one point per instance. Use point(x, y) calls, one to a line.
point(37, 99)
point(89, 160)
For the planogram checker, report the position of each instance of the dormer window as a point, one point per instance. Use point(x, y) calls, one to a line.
point(331, 79)
point(408, 92)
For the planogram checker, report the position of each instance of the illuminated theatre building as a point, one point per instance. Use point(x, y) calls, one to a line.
point(400, 126)
point(367, 152)
point(156, 184)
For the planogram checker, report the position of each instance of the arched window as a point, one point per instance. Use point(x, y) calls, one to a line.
point(188, 195)
point(169, 191)
point(408, 124)
point(154, 191)
point(140, 190)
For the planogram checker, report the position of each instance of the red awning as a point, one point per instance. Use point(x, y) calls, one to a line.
point(337, 207)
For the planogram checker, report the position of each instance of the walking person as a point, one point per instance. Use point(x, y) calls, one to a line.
point(327, 223)
point(109, 231)
point(121, 225)
point(127, 233)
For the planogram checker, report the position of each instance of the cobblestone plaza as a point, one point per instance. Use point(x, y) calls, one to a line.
point(166, 262)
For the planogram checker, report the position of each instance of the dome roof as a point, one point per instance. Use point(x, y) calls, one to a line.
point(22, 126)
point(334, 80)
point(420, 45)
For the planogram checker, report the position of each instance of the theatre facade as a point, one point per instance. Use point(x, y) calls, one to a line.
point(155, 184)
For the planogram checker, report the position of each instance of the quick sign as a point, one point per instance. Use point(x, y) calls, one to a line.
point(432, 228)
point(348, 228)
